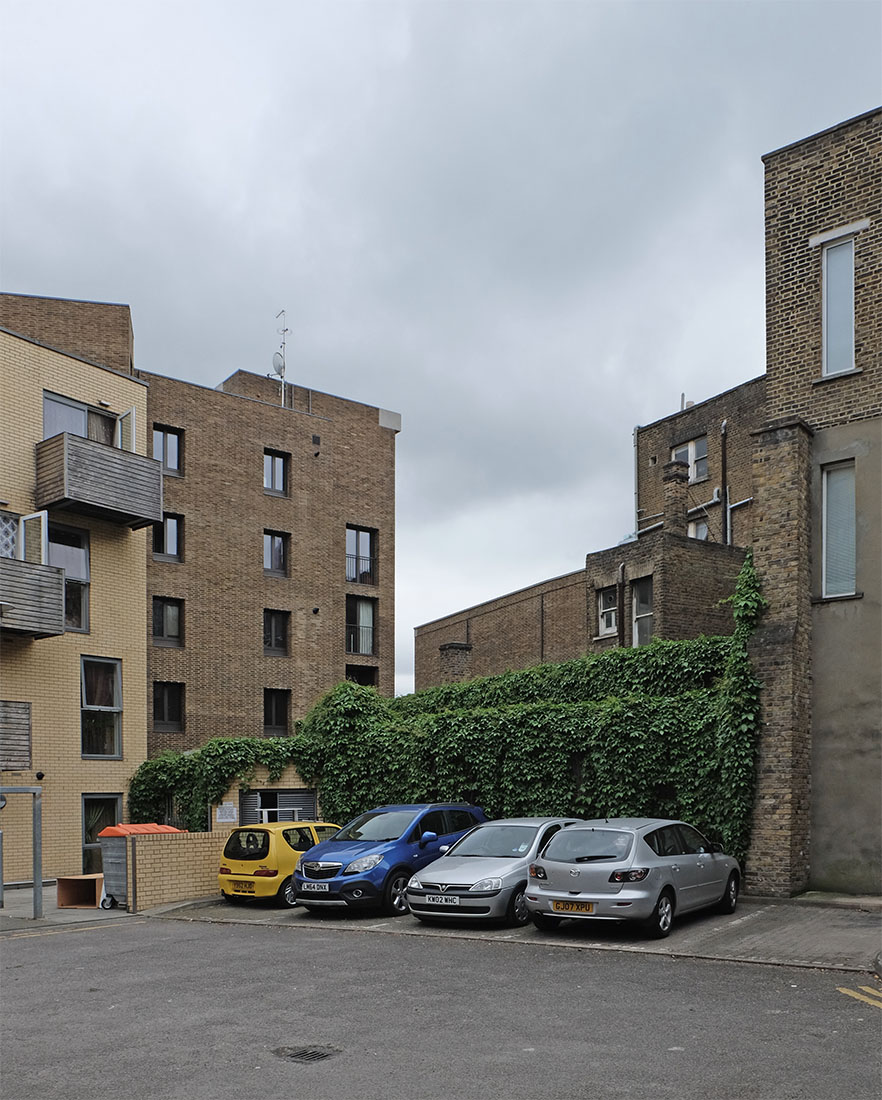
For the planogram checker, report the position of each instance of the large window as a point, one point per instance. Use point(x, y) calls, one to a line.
point(99, 811)
point(642, 598)
point(168, 621)
point(363, 674)
point(275, 553)
point(61, 414)
point(361, 550)
point(168, 538)
point(838, 535)
point(275, 472)
point(168, 448)
point(360, 616)
point(168, 706)
point(276, 704)
point(607, 607)
point(69, 550)
point(838, 322)
point(275, 633)
point(694, 453)
point(101, 702)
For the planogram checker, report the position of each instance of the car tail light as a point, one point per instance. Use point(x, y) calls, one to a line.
point(536, 871)
point(265, 872)
point(224, 870)
point(635, 874)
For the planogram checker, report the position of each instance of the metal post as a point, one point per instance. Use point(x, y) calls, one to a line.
point(1, 868)
point(38, 853)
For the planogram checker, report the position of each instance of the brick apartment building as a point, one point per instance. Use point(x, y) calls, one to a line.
point(176, 563)
point(77, 497)
point(790, 465)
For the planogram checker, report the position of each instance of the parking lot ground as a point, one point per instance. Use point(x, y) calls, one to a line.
point(824, 936)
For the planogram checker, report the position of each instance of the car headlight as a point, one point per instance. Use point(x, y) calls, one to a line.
point(414, 884)
point(487, 884)
point(363, 863)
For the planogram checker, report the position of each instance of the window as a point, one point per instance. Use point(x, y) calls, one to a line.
point(101, 702)
point(838, 309)
point(168, 448)
point(360, 555)
point(275, 712)
point(61, 414)
point(69, 550)
point(275, 553)
point(362, 674)
point(168, 538)
point(275, 473)
point(8, 534)
point(698, 529)
point(642, 596)
point(99, 811)
point(168, 621)
point(359, 625)
point(275, 633)
point(168, 706)
point(695, 454)
point(838, 535)
point(606, 611)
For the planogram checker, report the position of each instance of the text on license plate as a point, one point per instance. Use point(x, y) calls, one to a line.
point(573, 906)
point(442, 899)
point(243, 887)
point(316, 887)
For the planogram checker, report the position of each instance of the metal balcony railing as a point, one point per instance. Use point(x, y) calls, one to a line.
point(359, 639)
point(361, 570)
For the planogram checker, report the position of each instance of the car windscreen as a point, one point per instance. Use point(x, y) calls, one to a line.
point(377, 826)
point(496, 841)
point(587, 845)
point(248, 844)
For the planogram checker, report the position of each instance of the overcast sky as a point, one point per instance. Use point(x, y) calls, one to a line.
point(526, 225)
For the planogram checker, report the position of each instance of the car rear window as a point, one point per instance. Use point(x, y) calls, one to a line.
point(325, 832)
point(248, 844)
point(588, 845)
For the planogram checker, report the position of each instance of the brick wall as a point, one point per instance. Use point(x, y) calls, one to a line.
point(163, 868)
point(345, 477)
point(98, 331)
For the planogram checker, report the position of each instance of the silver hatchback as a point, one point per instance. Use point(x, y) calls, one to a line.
point(636, 869)
point(484, 875)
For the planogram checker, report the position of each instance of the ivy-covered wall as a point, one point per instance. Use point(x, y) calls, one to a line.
point(669, 729)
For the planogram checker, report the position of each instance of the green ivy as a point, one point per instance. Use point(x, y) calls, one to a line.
point(669, 730)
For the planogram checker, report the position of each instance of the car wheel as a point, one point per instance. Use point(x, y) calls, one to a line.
point(729, 899)
point(287, 894)
point(517, 913)
point(544, 922)
point(659, 924)
point(395, 894)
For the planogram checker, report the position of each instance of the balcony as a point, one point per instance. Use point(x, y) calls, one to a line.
point(94, 479)
point(31, 599)
point(360, 639)
point(361, 570)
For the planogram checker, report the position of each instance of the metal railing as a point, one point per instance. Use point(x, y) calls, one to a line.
point(361, 570)
point(359, 639)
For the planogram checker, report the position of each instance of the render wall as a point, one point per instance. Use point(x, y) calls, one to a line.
point(346, 477)
point(46, 672)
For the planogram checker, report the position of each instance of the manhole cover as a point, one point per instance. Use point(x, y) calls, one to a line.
point(305, 1054)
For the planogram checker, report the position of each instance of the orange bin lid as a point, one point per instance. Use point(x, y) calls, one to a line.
point(138, 830)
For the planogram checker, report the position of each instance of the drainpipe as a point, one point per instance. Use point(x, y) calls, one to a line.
point(620, 606)
point(724, 481)
point(636, 493)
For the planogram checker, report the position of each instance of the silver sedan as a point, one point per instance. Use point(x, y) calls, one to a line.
point(484, 875)
point(637, 869)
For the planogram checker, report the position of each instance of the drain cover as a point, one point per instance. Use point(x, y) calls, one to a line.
point(305, 1054)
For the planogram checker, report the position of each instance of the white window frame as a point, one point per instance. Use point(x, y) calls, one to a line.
point(125, 434)
point(826, 471)
point(642, 617)
point(691, 457)
point(695, 526)
point(25, 542)
point(826, 241)
point(607, 617)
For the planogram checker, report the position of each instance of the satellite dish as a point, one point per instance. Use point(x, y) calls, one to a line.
point(279, 364)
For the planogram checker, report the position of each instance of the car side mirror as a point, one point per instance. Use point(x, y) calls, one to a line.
point(716, 847)
point(427, 838)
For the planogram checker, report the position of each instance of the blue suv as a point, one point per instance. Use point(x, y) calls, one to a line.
point(369, 862)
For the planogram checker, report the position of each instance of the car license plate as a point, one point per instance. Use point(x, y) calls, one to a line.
point(316, 887)
point(442, 899)
point(243, 887)
point(573, 906)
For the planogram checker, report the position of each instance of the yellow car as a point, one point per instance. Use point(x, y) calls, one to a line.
point(259, 860)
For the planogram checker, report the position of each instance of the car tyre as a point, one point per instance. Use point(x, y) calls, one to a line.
point(395, 894)
point(544, 922)
point(729, 900)
point(287, 894)
point(659, 924)
point(517, 914)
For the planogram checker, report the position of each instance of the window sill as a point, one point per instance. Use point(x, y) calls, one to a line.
point(275, 493)
point(167, 643)
point(837, 599)
point(275, 653)
point(168, 727)
point(275, 573)
point(838, 374)
point(167, 557)
point(101, 756)
point(171, 473)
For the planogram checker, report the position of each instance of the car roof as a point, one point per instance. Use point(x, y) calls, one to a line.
point(528, 821)
point(636, 823)
point(275, 826)
point(417, 806)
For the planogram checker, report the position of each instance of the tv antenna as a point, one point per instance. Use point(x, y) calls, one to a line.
point(279, 356)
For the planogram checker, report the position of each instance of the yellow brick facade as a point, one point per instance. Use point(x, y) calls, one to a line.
point(45, 672)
